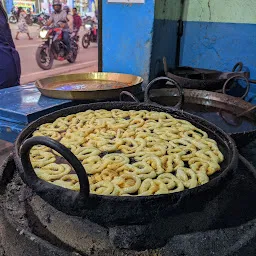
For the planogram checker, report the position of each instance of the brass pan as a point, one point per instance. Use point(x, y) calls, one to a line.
point(89, 86)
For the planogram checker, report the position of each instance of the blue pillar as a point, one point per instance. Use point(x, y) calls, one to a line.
point(136, 37)
point(127, 37)
point(9, 5)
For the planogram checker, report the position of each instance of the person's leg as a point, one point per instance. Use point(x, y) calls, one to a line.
point(17, 36)
point(66, 40)
point(29, 37)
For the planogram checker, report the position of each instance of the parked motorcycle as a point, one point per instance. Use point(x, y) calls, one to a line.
point(91, 34)
point(13, 17)
point(29, 18)
point(40, 19)
point(54, 48)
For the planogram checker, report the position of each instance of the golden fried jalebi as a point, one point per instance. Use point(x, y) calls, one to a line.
point(52, 134)
point(102, 188)
point(144, 170)
point(94, 164)
point(75, 138)
point(127, 183)
point(108, 174)
point(56, 126)
point(155, 163)
point(172, 182)
point(187, 177)
point(115, 160)
point(69, 181)
point(118, 113)
point(128, 153)
point(40, 158)
point(40, 148)
point(152, 187)
point(52, 171)
point(197, 164)
point(85, 152)
point(69, 120)
point(171, 162)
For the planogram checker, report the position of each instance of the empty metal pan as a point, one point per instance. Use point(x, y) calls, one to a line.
point(203, 79)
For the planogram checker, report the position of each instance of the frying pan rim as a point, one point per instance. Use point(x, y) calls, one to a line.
point(198, 80)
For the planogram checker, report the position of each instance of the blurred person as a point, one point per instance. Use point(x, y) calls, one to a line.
point(77, 21)
point(70, 19)
point(22, 24)
point(60, 17)
point(9, 57)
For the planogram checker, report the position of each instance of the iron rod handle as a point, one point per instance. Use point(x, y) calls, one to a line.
point(42, 187)
point(173, 82)
point(129, 94)
point(236, 77)
point(238, 64)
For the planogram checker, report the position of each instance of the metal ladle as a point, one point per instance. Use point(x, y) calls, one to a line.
point(246, 111)
point(233, 119)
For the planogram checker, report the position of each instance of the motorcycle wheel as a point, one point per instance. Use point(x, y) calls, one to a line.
point(72, 59)
point(86, 41)
point(41, 59)
point(12, 19)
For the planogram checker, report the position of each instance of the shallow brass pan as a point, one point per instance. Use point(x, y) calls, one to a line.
point(89, 86)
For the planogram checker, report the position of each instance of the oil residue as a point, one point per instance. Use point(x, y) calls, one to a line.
point(88, 85)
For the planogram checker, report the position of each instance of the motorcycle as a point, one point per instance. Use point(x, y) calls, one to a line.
point(54, 48)
point(29, 18)
point(40, 19)
point(91, 34)
point(13, 17)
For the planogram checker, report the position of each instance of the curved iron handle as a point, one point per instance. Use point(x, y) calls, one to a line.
point(43, 187)
point(233, 77)
point(238, 64)
point(126, 93)
point(180, 89)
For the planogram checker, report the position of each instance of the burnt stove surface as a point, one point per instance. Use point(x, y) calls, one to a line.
point(225, 226)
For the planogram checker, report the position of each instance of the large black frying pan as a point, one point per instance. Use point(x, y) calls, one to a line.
point(234, 115)
point(112, 210)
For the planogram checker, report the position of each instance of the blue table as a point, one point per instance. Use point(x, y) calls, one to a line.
point(21, 105)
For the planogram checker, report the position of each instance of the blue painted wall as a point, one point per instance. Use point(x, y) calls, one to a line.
point(219, 33)
point(127, 37)
point(219, 46)
point(164, 45)
point(167, 13)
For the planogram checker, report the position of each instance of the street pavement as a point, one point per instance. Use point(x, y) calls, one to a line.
point(86, 61)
